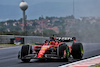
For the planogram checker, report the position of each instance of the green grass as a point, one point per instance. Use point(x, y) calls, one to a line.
point(8, 45)
point(97, 65)
point(32, 44)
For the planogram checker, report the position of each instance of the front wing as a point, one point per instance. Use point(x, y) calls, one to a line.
point(45, 56)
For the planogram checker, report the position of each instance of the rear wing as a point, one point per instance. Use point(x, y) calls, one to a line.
point(66, 39)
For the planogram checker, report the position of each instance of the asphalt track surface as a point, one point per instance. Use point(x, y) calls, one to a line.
point(8, 57)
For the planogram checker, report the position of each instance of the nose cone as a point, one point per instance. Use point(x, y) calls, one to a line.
point(23, 5)
point(42, 51)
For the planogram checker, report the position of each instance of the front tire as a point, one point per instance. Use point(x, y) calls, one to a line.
point(64, 52)
point(25, 50)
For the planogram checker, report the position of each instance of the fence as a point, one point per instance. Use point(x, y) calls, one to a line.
point(5, 39)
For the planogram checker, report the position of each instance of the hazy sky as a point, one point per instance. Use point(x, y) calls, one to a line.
point(10, 8)
point(32, 2)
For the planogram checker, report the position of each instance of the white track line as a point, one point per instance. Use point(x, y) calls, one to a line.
point(79, 61)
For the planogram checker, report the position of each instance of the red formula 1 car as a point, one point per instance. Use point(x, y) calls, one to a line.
point(59, 48)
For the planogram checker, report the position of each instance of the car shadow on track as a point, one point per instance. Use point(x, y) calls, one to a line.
point(53, 61)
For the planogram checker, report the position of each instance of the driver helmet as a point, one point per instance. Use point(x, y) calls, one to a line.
point(52, 42)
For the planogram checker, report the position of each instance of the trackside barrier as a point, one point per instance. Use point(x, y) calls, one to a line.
point(5, 39)
point(91, 62)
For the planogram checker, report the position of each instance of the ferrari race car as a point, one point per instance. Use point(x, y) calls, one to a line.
point(59, 48)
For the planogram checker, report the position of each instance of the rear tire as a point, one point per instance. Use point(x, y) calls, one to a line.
point(77, 50)
point(25, 50)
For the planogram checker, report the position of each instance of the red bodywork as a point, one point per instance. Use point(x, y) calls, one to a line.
point(45, 46)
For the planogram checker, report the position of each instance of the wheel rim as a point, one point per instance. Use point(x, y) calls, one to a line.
point(64, 55)
point(81, 47)
point(67, 52)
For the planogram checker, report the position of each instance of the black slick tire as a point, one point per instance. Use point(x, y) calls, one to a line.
point(77, 50)
point(25, 50)
point(62, 48)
